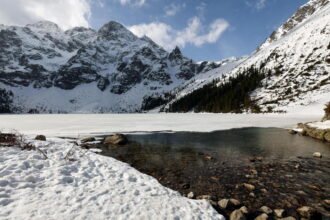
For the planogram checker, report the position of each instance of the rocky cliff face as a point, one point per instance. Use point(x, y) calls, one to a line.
point(115, 69)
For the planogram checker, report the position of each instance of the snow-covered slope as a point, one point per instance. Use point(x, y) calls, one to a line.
point(44, 69)
point(296, 59)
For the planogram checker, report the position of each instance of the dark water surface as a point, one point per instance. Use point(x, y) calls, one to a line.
point(285, 174)
point(234, 145)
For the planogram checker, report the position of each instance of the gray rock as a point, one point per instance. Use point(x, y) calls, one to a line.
point(306, 211)
point(263, 216)
point(87, 139)
point(266, 210)
point(288, 218)
point(249, 187)
point(292, 131)
point(191, 195)
point(237, 215)
point(115, 139)
point(229, 203)
point(40, 137)
point(279, 213)
point(223, 203)
point(244, 209)
point(264, 190)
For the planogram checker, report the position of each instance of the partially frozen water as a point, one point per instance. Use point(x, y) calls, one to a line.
point(236, 144)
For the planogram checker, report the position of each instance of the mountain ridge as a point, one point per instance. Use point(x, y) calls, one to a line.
point(111, 60)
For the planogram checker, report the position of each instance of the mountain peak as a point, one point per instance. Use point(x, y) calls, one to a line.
point(175, 54)
point(304, 12)
point(45, 25)
point(114, 30)
point(112, 26)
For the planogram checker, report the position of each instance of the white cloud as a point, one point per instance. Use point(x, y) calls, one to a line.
point(66, 13)
point(168, 37)
point(260, 4)
point(138, 3)
point(173, 9)
point(257, 4)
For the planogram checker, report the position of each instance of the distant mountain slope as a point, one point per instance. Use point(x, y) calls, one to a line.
point(44, 69)
point(295, 60)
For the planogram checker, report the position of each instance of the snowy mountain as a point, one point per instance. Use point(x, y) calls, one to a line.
point(44, 69)
point(295, 60)
point(47, 70)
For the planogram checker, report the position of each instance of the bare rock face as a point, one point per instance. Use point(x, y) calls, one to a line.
point(317, 133)
point(116, 139)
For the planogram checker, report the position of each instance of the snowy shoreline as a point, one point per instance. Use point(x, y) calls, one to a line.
point(87, 186)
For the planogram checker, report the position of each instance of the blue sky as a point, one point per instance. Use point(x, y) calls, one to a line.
point(250, 22)
point(204, 30)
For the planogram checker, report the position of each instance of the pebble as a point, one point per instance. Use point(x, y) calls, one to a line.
point(288, 218)
point(237, 215)
point(264, 190)
point(223, 203)
point(326, 201)
point(252, 194)
point(279, 212)
point(317, 154)
point(191, 195)
point(249, 186)
point(266, 210)
point(229, 203)
point(306, 211)
point(234, 202)
point(244, 209)
point(262, 217)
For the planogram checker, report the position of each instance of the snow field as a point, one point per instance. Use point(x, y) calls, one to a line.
point(89, 187)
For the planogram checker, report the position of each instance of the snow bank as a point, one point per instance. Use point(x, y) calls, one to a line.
point(320, 125)
point(79, 124)
point(92, 187)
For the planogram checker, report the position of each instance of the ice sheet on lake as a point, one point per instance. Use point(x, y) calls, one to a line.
point(83, 124)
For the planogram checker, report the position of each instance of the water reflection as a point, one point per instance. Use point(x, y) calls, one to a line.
point(230, 145)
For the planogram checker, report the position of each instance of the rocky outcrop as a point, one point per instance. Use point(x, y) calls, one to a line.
point(308, 129)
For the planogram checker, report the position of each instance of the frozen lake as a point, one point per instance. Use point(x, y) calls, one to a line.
point(84, 124)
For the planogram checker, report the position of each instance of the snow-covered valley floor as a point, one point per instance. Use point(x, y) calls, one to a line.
point(95, 187)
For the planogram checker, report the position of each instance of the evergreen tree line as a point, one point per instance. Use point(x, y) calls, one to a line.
point(6, 100)
point(231, 96)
